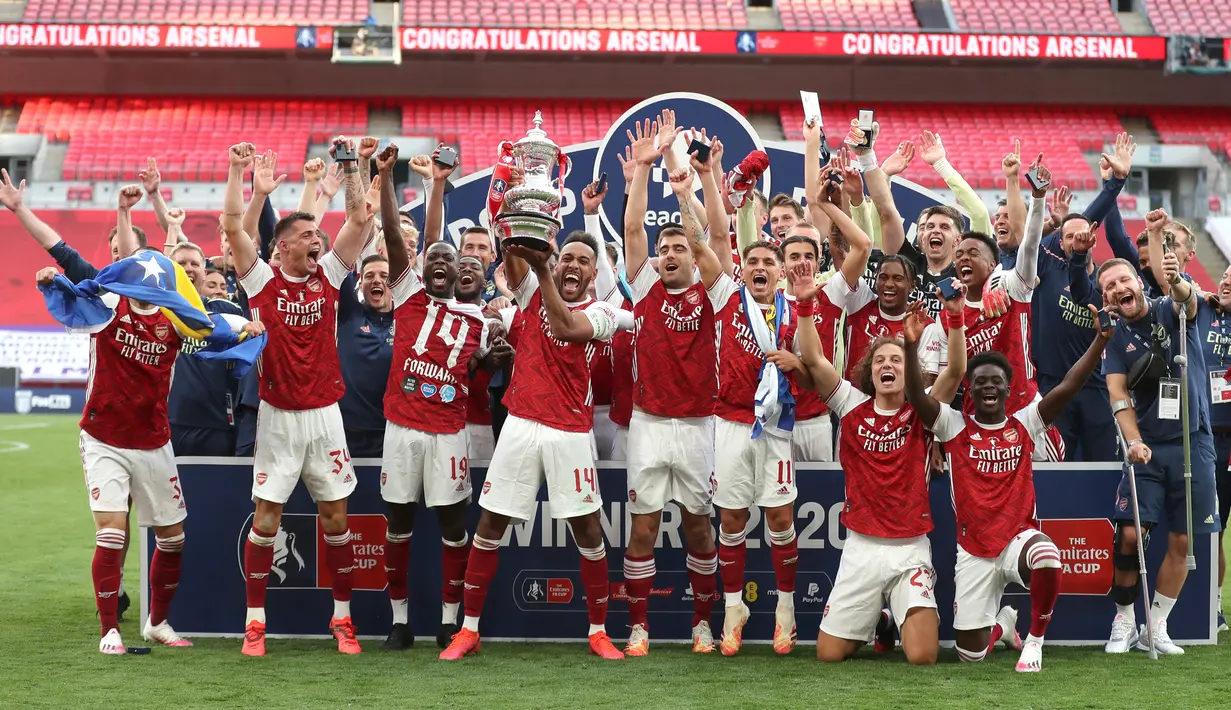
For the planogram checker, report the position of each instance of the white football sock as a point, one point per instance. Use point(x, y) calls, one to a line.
point(448, 612)
point(1161, 609)
point(1128, 611)
point(255, 613)
point(471, 623)
point(1032, 637)
point(786, 600)
point(341, 610)
point(732, 598)
point(401, 612)
point(597, 629)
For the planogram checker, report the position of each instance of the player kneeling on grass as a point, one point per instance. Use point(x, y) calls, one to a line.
point(426, 442)
point(548, 433)
point(989, 456)
point(884, 448)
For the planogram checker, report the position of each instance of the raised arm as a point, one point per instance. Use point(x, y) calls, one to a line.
point(933, 153)
point(151, 180)
point(243, 253)
point(390, 220)
point(1054, 402)
point(880, 190)
point(641, 155)
point(349, 241)
point(175, 230)
point(916, 392)
point(708, 263)
point(667, 134)
point(13, 197)
point(1080, 287)
point(1014, 203)
point(567, 325)
point(313, 171)
point(812, 159)
point(330, 184)
point(1027, 266)
point(1117, 165)
point(263, 185)
point(125, 238)
point(856, 262)
point(434, 212)
point(950, 378)
point(365, 150)
point(825, 377)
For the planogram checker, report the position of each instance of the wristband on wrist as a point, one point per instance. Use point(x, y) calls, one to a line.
point(1134, 442)
point(954, 320)
point(867, 161)
point(805, 309)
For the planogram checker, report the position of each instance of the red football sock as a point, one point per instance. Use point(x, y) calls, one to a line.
point(397, 565)
point(480, 569)
point(108, 546)
point(784, 549)
point(638, 580)
point(1043, 559)
point(732, 557)
point(165, 576)
point(997, 632)
point(701, 569)
point(453, 566)
point(594, 580)
point(340, 557)
point(258, 560)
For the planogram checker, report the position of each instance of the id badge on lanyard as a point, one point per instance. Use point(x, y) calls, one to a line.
point(1169, 399)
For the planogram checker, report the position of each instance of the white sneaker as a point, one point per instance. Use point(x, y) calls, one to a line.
point(1031, 660)
point(638, 641)
point(702, 638)
point(112, 644)
point(163, 634)
point(733, 628)
point(1007, 620)
point(1162, 642)
point(1123, 635)
point(784, 629)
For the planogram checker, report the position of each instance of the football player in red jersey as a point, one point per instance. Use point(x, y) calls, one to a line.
point(299, 430)
point(548, 434)
point(884, 447)
point(674, 383)
point(998, 537)
point(426, 443)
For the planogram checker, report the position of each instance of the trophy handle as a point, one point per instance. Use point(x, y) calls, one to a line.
point(566, 166)
point(504, 148)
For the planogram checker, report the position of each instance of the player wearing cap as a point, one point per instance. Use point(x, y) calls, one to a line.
point(299, 432)
point(884, 446)
point(670, 447)
point(548, 434)
point(989, 457)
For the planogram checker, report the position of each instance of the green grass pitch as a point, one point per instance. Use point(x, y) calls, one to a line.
point(50, 656)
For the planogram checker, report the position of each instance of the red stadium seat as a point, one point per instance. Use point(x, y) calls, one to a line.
point(245, 12)
point(1197, 126)
point(1055, 17)
point(847, 14)
point(600, 14)
point(1172, 17)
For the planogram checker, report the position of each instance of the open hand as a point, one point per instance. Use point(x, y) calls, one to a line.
point(11, 196)
point(900, 159)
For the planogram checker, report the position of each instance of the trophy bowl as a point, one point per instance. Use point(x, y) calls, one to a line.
point(528, 228)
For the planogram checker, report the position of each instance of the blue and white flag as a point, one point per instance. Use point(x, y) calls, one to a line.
point(774, 403)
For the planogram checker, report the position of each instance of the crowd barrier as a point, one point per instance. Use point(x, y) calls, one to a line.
point(537, 592)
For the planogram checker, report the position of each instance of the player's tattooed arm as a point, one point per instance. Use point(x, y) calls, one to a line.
point(349, 242)
point(243, 252)
point(1054, 402)
point(390, 220)
point(824, 375)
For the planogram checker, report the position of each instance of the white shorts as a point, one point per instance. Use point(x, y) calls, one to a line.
point(529, 452)
point(873, 571)
point(981, 581)
point(604, 431)
point(751, 471)
point(670, 459)
point(619, 447)
point(482, 442)
point(310, 443)
point(415, 461)
point(812, 439)
point(112, 475)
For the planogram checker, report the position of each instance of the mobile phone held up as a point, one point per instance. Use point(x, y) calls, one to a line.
point(600, 186)
point(1104, 319)
point(948, 289)
point(1036, 182)
point(341, 152)
point(701, 148)
point(446, 157)
point(864, 124)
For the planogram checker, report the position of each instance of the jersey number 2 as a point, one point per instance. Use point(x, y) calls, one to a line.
point(445, 333)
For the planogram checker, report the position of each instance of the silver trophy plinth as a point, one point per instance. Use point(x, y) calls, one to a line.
point(531, 216)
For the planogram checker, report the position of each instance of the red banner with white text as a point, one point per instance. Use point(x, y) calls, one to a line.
point(130, 36)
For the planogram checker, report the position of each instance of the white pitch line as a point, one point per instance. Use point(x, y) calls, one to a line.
point(12, 447)
point(31, 425)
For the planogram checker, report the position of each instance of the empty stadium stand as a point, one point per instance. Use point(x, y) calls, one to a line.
point(1203, 126)
point(1210, 18)
point(108, 138)
point(1056, 16)
point(247, 12)
point(847, 14)
point(978, 137)
point(600, 14)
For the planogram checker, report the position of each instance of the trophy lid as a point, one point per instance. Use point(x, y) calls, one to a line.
point(536, 135)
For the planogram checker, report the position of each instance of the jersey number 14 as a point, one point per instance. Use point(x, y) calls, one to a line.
point(455, 343)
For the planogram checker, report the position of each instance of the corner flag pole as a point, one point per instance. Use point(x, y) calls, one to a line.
point(1182, 361)
point(1141, 546)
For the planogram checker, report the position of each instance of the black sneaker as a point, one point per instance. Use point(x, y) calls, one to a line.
point(400, 638)
point(122, 606)
point(885, 640)
point(445, 635)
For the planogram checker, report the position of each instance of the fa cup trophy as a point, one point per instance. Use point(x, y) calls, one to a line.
point(532, 210)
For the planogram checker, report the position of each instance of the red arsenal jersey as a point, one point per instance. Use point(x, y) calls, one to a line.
point(478, 402)
point(885, 458)
point(131, 361)
point(551, 378)
point(622, 375)
point(433, 341)
point(865, 322)
point(809, 404)
point(739, 356)
point(298, 369)
point(600, 373)
point(1008, 334)
point(992, 476)
point(675, 362)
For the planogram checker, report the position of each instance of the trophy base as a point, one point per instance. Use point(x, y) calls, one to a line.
point(529, 229)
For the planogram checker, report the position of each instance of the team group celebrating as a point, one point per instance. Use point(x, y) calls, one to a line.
point(719, 356)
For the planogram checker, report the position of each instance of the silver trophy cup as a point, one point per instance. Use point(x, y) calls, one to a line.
point(531, 214)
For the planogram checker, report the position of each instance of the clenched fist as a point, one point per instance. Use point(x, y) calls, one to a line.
point(368, 146)
point(387, 158)
point(313, 170)
point(130, 195)
point(241, 155)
